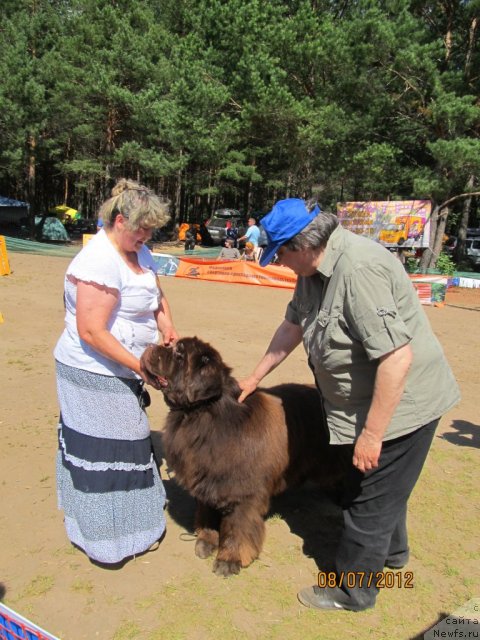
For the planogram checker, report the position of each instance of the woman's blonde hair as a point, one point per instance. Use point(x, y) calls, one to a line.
point(138, 204)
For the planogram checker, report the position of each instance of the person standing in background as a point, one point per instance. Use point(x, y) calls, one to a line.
point(231, 232)
point(252, 235)
point(190, 238)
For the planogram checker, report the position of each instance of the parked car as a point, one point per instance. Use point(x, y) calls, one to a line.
point(217, 224)
point(472, 249)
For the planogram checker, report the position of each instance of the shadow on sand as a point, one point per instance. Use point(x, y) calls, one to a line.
point(467, 434)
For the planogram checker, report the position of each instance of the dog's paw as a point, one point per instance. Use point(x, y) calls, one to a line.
point(204, 549)
point(225, 569)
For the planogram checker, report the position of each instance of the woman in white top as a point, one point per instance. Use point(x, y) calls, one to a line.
point(107, 479)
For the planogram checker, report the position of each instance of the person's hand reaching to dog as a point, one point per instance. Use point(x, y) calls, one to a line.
point(248, 386)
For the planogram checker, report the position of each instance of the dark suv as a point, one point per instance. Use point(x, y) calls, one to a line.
point(217, 224)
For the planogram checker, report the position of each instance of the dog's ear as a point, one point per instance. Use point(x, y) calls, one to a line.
point(150, 360)
point(206, 378)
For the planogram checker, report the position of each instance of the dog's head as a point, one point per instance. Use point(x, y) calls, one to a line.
point(194, 371)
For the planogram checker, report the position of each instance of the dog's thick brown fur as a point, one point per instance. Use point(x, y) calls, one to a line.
point(233, 457)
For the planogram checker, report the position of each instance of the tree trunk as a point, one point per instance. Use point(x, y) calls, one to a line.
point(209, 195)
point(31, 181)
point(428, 256)
point(66, 184)
point(439, 235)
point(178, 194)
point(289, 185)
point(110, 134)
point(471, 46)
point(459, 253)
point(65, 190)
point(249, 193)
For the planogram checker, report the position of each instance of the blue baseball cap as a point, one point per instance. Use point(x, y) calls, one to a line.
point(286, 219)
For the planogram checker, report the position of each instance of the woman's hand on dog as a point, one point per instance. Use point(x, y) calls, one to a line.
point(169, 336)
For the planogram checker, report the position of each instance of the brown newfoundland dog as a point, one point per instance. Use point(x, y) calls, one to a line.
point(233, 457)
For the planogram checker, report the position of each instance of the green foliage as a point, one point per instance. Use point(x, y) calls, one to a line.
point(238, 102)
point(411, 265)
point(445, 264)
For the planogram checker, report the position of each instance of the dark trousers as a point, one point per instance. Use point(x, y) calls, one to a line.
point(375, 513)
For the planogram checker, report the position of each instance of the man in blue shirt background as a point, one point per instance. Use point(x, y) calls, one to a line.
point(252, 235)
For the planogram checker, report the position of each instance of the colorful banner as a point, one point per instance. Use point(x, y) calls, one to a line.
point(431, 289)
point(401, 224)
point(237, 271)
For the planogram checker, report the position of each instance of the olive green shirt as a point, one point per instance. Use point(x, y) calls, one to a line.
point(358, 306)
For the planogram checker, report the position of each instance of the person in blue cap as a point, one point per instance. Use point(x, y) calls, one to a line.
point(382, 376)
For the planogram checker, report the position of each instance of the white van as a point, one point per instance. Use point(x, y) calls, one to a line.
point(472, 249)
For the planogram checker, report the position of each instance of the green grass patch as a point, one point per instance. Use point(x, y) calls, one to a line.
point(127, 631)
point(83, 586)
point(39, 586)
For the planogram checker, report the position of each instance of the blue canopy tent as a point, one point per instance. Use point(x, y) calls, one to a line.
point(12, 211)
point(14, 219)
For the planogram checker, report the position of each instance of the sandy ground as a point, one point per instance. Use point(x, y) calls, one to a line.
point(169, 593)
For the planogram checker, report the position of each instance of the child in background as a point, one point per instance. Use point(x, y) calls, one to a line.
point(249, 252)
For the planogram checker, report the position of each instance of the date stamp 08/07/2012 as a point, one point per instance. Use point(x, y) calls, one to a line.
point(378, 579)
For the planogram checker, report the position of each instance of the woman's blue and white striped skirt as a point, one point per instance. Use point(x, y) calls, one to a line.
point(107, 478)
